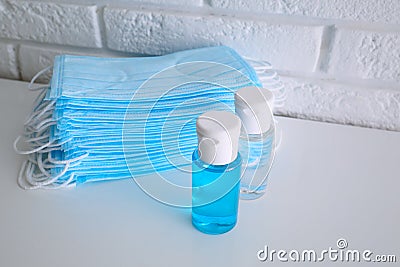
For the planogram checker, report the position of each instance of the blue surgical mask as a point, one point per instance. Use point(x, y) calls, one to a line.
point(114, 118)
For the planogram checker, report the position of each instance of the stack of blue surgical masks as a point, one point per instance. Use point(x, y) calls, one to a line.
point(116, 118)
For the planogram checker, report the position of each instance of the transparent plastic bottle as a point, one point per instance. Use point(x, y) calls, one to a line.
point(257, 156)
point(216, 169)
point(257, 139)
point(220, 215)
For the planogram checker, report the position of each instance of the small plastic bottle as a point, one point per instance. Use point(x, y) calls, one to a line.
point(257, 139)
point(216, 168)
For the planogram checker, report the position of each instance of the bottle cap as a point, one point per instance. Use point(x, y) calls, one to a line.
point(218, 137)
point(254, 107)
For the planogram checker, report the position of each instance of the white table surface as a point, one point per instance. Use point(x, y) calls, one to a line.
point(328, 182)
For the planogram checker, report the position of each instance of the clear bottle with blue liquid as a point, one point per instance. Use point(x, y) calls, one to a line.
point(216, 169)
point(257, 139)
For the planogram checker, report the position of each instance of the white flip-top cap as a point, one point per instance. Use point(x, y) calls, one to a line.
point(254, 105)
point(218, 137)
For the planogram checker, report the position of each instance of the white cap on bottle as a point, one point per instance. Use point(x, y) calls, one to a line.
point(254, 107)
point(218, 137)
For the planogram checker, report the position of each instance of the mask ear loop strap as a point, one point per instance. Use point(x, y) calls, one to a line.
point(258, 64)
point(40, 165)
point(279, 135)
point(270, 79)
point(40, 73)
point(34, 132)
point(37, 138)
point(34, 115)
point(65, 184)
point(29, 151)
point(40, 99)
point(44, 181)
point(23, 172)
point(58, 162)
point(40, 112)
point(45, 124)
point(24, 184)
point(54, 147)
point(48, 181)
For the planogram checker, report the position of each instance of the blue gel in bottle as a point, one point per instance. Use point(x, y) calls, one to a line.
point(215, 195)
point(216, 170)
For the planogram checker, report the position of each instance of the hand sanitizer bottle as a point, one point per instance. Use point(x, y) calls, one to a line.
point(257, 139)
point(216, 166)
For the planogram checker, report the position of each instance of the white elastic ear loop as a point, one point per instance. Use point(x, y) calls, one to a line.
point(65, 184)
point(45, 124)
point(281, 101)
point(34, 131)
point(40, 73)
point(33, 137)
point(279, 91)
point(54, 147)
point(38, 138)
point(281, 97)
point(258, 64)
point(34, 113)
point(27, 152)
point(23, 182)
point(48, 181)
point(41, 112)
point(278, 139)
point(39, 99)
point(42, 165)
point(36, 127)
point(51, 160)
point(270, 80)
point(42, 181)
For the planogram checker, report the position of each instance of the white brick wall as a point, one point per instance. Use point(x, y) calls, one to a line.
point(340, 103)
point(340, 59)
point(289, 47)
point(172, 2)
point(359, 10)
point(49, 23)
point(366, 55)
point(8, 61)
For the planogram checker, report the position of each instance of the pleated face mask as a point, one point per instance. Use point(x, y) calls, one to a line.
point(117, 118)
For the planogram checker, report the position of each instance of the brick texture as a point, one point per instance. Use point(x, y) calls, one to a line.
point(288, 47)
point(366, 54)
point(50, 23)
point(174, 2)
point(324, 101)
point(386, 11)
point(8, 61)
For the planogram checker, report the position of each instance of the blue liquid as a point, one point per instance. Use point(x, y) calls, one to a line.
point(215, 195)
